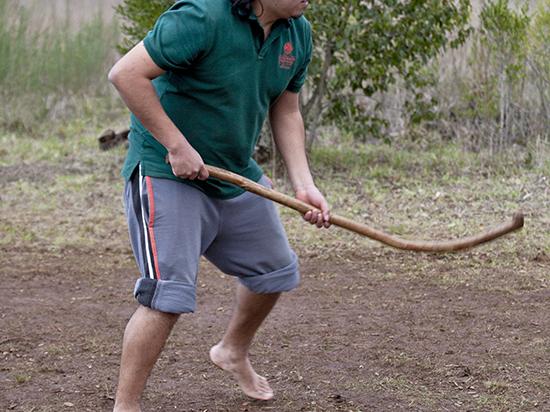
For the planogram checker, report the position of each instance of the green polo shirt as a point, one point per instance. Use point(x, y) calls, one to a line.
point(221, 78)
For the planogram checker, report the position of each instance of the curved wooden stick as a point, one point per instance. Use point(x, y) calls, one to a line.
point(390, 240)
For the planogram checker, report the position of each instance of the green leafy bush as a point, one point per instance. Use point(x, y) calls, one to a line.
point(539, 57)
point(498, 85)
point(363, 47)
point(138, 17)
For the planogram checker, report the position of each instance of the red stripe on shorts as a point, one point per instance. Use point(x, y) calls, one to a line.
point(151, 222)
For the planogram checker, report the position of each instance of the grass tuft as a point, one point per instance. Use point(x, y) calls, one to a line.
point(21, 378)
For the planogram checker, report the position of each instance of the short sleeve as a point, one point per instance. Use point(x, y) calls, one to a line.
point(180, 36)
point(299, 78)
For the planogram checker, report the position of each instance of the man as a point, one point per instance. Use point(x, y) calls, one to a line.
point(200, 86)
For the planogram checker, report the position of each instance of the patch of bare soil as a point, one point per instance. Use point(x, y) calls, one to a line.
point(38, 172)
point(349, 339)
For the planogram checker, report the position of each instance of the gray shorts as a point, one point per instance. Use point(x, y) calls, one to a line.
point(172, 225)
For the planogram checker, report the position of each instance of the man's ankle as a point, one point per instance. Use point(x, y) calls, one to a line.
point(236, 352)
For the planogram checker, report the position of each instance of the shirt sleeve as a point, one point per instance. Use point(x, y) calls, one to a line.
point(299, 78)
point(180, 36)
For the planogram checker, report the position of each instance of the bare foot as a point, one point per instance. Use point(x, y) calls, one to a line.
point(251, 383)
point(126, 408)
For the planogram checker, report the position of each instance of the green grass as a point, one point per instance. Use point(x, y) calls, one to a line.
point(404, 191)
point(446, 161)
point(45, 72)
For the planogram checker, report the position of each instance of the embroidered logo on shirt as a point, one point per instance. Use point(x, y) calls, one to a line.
point(288, 48)
point(286, 60)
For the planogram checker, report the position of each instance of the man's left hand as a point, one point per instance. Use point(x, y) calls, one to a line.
point(312, 195)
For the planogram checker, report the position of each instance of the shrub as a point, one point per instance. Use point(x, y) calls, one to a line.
point(138, 17)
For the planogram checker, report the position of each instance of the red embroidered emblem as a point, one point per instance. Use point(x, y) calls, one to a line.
point(288, 48)
point(286, 60)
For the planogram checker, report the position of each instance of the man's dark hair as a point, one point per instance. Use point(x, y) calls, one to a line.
point(242, 7)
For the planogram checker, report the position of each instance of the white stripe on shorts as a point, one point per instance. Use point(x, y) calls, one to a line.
point(151, 273)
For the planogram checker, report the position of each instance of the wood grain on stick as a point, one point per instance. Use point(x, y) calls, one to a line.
point(365, 230)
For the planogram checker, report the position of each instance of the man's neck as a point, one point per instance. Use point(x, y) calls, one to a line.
point(265, 16)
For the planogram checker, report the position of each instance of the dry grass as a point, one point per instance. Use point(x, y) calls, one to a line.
point(77, 11)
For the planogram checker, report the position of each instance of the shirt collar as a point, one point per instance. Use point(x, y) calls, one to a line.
point(251, 16)
point(286, 22)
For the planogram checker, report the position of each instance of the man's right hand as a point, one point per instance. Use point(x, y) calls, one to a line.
point(187, 163)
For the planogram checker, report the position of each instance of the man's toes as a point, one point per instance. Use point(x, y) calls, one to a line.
point(268, 394)
point(266, 390)
point(265, 386)
point(265, 396)
point(260, 394)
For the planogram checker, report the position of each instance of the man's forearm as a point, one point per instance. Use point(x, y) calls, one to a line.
point(289, 135)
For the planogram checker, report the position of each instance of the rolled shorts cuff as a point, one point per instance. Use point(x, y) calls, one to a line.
point(282, 280)
point(165, 295)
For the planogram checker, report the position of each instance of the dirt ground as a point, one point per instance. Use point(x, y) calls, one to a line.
point(364, 332)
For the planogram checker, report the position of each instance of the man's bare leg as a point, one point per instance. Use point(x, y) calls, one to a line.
point(144, 338)
point(231, 353)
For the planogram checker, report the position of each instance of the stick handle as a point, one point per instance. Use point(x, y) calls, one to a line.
point(365, 230)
